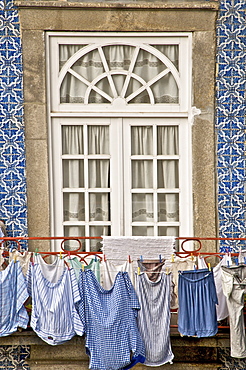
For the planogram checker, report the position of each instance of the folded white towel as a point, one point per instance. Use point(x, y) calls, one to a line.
point(118, 248)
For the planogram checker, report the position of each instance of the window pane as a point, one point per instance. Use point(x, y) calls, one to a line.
point(74, 231)
point(142, 140)
point(142, 98)
point(171, 52)
point(95, 244)
point(98, 139)
point(72, 140)
point(99, 206)
point(168, 231)
point(165, 90)
point(99, 173)
point(143, 231)
point(66, 51)
point(168, 207)
point(142, 174)
point(96, 98)
point(73, 173)
point(167, 140)
point(89, 65)
point(168, 174)
point(73, 205)
point(142, 207)
point(118, 56)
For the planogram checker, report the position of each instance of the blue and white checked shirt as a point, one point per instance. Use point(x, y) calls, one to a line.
point(13, 294)
point(54, 316)
point(109, 318)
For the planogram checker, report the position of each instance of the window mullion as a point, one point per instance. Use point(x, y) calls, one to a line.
point(155, 178)
point(86, 185)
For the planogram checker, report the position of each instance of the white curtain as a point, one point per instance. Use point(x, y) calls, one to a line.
point(167, 177)
point(118, 58)
point(74, 178)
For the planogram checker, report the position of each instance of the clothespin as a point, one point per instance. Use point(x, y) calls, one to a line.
point(228, 263)
point(192, 257)
point(160, 258)
point(69, 254)
point(15, 258)
point(129, 259)
point(95, 258)
point(83, 267)
point(138, 270)
point(209, 266)
point(36, 252)
point(172, 258)
point(141, 258)
point(167, 270)
point(61, 255)
point(236, 260)
point(104, 258)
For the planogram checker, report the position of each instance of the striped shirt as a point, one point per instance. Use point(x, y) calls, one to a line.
point(154, 317)
point(54, 317)
point(13, 294)
point(109, 316)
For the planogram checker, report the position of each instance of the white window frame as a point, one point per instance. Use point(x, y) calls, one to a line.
point(181, 113)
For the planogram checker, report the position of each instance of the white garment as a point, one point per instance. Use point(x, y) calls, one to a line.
point(234, 283)
point(1, 260)
point(201, 263)
point(24, 259)
point(241, 256)
point(109, 271)
point(222, 309)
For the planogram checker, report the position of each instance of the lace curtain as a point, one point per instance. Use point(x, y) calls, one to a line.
point(167, 177)
point(99, 178)
point(117, 58)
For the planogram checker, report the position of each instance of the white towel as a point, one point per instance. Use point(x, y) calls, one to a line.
point(118, 248)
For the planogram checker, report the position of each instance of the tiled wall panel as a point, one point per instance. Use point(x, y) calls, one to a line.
point(13, 206)
point(230, 123)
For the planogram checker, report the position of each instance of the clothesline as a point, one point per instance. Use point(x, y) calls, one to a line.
point(184, 256)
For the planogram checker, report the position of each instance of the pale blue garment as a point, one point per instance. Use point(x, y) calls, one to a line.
point(13, 294)
point(94, 265)
point(154, 317)
point(197, 303)
point(54, 292)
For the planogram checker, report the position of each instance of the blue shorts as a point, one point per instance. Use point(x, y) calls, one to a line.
point(197, 303)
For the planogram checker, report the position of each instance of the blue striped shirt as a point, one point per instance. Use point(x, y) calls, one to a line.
point(109, 317)
point(154, 317)
point(54, 316)
point(13, 294)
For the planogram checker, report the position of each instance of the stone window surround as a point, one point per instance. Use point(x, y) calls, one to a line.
point(198, 17)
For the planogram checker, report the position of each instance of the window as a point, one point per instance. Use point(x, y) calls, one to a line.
point(120, 135)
